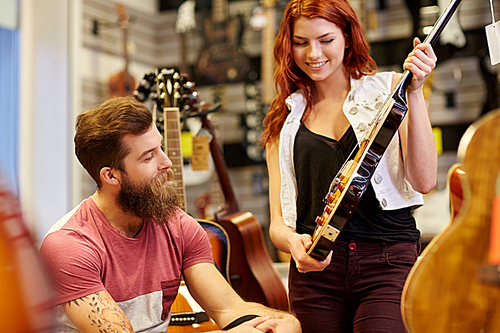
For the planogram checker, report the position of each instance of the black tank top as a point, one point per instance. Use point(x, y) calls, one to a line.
point(317, 160)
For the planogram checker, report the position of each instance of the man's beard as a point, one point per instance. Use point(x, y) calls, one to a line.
point(156, 200)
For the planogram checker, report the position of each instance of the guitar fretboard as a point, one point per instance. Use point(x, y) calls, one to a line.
point(219, 10)
point(173, 150)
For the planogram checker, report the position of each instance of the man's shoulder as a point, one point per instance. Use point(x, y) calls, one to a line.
point(77, 224)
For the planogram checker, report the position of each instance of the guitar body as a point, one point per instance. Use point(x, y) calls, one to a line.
point(353, 180)
point(251, 272)
point(121, 84)
point(219, 239)
point(444, 292)
point(182, 310)
point(26, 293)
point(456, 178)
point(221, 59)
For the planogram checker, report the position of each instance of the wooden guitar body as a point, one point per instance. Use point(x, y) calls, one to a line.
point(456, 177)
point(251, 272)
point(26, 293)
point(444, 291)
point(121, 84)
point(184, 310)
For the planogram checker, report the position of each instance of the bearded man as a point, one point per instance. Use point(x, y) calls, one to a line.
point(118, 258)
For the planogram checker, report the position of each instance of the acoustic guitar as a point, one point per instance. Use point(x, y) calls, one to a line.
point(26, 293)
point(456, 178)
point(122, 83)
point(444, 291)
point(251, 272)
point(163, 88)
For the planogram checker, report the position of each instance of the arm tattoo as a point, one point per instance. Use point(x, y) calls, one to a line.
point(104, 313)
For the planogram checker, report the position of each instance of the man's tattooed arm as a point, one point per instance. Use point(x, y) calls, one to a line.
point(97, 312)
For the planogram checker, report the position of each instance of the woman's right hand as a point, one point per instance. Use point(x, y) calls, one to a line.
point(304, 262)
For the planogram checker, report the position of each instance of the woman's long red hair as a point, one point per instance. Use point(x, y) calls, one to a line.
point(290, 78)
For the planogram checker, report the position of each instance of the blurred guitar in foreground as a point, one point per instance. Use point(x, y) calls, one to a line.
point(25, 288)
point(445, 290)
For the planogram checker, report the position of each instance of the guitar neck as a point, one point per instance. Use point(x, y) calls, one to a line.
point(230, 204)
point(124, 21)
point(172, 144)
point(267, 60)
point(219, 10)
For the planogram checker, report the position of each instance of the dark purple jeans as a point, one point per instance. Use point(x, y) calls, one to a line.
point(360, 291)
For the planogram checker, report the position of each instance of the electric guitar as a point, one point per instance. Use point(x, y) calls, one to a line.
point(221, 59)
point(353, 178)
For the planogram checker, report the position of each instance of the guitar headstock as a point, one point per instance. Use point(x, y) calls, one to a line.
point(147, 88)
point(189, 102)
point(167, 87)
point(158, 90)
point(123, 17)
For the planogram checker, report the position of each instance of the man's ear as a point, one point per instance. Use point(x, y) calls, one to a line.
point(110, 176)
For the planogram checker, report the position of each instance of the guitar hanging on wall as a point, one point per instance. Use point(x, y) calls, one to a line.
point(221, 59)
point(353, 178)
point(265, 20)
point(122, 83)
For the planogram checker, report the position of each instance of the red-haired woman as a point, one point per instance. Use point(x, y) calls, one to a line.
point(328, 94)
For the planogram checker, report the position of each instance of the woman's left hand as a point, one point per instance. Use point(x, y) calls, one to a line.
point(421, 61)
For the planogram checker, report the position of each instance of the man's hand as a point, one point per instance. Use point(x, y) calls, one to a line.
point(222, 303)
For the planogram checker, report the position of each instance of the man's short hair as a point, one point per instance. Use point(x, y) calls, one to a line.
point(99, 133)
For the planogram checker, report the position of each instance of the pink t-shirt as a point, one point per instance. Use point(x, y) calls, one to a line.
point(85, 254)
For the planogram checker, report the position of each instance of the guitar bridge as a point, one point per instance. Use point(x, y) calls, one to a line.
point(331, 233)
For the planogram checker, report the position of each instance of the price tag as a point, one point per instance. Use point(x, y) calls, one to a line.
point(493, 38)
point(201, 151)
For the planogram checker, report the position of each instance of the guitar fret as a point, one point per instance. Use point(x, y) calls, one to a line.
point(173, 150)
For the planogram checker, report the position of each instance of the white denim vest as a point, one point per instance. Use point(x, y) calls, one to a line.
point(367, 94)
